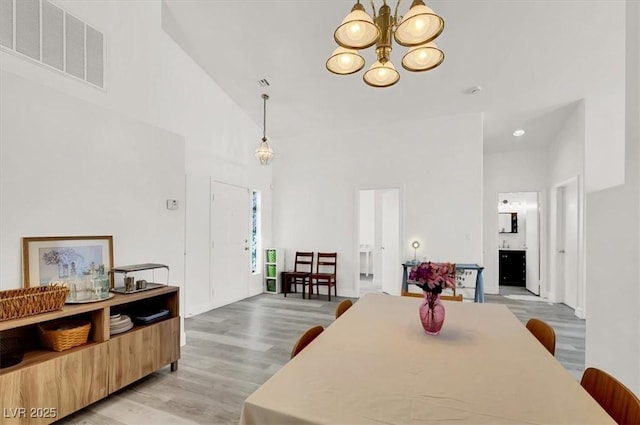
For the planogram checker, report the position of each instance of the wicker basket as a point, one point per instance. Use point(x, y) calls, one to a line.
point(16, 303)
point(61, 336)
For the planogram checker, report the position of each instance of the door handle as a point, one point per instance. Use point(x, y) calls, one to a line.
point(561, 251)
point(381, 247)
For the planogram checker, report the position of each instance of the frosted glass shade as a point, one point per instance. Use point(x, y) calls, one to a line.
point(420, 25)
point(381, 75)
point(345, 61)
point(357, 30)
point(422, 58)
point(264, 153)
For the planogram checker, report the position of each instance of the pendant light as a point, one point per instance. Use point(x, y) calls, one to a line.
point(264, 153)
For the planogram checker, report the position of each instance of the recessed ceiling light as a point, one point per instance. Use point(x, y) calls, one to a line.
point(519, 132)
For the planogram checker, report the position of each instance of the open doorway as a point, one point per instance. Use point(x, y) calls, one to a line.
point(519, 250)
point(378, 241)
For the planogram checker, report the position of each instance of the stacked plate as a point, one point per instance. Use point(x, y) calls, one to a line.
point(119, 323)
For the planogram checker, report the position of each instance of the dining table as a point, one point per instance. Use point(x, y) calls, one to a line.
point(376, 365)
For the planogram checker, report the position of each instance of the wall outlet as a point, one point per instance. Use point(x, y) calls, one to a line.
point(172, 204)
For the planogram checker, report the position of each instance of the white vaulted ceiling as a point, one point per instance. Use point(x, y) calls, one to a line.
point(533, 60)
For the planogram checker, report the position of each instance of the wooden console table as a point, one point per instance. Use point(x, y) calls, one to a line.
point(49, 385)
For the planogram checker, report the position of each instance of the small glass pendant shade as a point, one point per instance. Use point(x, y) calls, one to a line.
point(420, 25)
point(422, 58)
point(357, 30)
point(264, 153)
point(381, 75)
point(345, 61)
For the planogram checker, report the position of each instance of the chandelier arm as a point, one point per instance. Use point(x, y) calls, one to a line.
point(373, 7)
point(395, 13)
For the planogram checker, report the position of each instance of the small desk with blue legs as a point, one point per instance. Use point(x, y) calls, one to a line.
point(479, 294)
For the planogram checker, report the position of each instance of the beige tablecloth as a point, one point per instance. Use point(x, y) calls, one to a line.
point(375, 365)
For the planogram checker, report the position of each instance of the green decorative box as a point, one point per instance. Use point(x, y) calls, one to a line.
point(271, 285)
point(271, 256)
point(271, 270)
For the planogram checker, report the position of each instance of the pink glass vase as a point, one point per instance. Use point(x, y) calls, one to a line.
point(432, 313)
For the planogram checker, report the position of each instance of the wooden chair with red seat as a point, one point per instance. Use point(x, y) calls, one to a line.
point(342, 307)
point(544, 333)
point(325, 274)
point(305, 339)
point(302, 268)
point(612, 395)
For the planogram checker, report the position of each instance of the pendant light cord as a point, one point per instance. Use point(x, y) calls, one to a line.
point(264, 118)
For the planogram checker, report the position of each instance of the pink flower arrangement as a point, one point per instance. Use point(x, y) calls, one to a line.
point(433, 277)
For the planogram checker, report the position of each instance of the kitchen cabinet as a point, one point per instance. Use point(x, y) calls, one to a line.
point(512, 267)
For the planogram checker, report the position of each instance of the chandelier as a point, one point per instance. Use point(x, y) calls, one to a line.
point(264, 153)
point(416, 30)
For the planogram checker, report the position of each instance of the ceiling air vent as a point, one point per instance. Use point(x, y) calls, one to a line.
point(46, 34)
point(263, 83)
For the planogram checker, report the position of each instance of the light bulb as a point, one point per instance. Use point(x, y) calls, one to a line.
point(355, 29)
point(418, 25)
point(422, 58)
point(381, 75)
point(346, 61)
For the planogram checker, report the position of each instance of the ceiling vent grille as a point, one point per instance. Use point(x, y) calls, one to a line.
point(263, 83)
point(42, 32)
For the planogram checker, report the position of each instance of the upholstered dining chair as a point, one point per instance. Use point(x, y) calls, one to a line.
point(305, 339)
point(612, 395)
point(544, 333)
point(342, 307)
point(325, 274)
point(442, 296)
point(302, 268)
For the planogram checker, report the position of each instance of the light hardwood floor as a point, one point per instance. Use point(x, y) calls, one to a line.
point(232, 350)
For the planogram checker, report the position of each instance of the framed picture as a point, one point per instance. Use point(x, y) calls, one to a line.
point(61, 258)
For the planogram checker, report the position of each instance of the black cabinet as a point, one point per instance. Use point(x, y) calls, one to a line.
point(513, 268)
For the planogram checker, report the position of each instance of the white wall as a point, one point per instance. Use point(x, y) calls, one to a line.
point(439, 172)
point(613, 245)
point(150, 79)
point(71, 168)
point(518, 171)
point(567, 162)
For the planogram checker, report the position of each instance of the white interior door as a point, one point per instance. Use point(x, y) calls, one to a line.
point(230, 261)
point(567, 244)
point(390, 241)
point(532, 237)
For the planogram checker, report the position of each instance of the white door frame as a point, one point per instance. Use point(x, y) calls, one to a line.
point(556, 293)
point(356, 232)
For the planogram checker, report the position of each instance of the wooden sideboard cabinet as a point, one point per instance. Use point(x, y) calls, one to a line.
point(49, 385)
